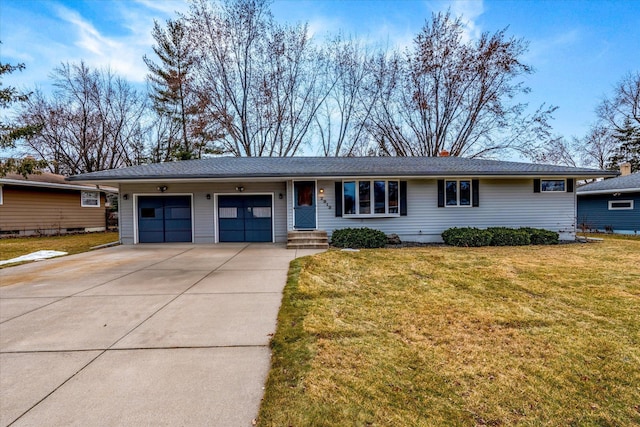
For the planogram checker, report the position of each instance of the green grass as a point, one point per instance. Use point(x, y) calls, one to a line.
point(72, 243)
point(540, 335)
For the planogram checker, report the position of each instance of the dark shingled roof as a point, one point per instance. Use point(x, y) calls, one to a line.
point(296, 167)
point(48, 180)
point(627, 183)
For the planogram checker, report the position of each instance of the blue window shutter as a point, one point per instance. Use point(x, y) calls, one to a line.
point(338, 202)
point(569, 185)
point(441, 193)
point(536, 185)
point(475, 193)
point(403, 198)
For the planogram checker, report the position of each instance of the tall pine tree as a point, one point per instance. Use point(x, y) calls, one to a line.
point(171, 93)
point(629, 148)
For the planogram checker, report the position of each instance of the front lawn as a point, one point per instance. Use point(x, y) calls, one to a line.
point(71, 243)
point(540, 335)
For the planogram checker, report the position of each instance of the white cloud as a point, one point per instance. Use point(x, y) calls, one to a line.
point(543, 50)
point(168, 8)
point(469, 11)
point(321, 26)
point(123, 52)
point(89, 38)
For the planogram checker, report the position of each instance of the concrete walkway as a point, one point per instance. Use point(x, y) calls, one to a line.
point(140, 335)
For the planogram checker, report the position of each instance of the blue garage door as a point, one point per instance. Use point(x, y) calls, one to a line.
point(244, 218)
point(164, 219)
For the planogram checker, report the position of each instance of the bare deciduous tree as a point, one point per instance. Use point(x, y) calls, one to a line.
point(91, 123)
point(342, 119)
point(448, 94)
point(620, 114)
point(623, 106)
point(596, 147)
point(263, 82)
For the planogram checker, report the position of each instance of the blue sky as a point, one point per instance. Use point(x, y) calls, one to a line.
point(579, 49)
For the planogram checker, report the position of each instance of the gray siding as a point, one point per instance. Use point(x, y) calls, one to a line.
point(503, 202)
point(203, 209)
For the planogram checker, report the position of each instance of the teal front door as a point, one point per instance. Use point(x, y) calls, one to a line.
point(304, 205)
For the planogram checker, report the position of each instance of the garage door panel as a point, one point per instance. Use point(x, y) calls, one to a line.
point(151, 237)
point(231, 236)
point(244, 218)
point(257, 235)
point(177, 236)
point(258, 224)
point(164, 219)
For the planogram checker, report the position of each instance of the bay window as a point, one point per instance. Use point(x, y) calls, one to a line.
point(371, 197)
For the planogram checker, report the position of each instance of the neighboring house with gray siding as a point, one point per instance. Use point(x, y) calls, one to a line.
point(611, 204)
point(267, 199)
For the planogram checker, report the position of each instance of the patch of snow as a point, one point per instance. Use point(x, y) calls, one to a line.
point(35, 256)
point(349, 250)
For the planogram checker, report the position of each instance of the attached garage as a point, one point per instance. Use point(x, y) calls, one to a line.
point(164, 219)
point(246, 218)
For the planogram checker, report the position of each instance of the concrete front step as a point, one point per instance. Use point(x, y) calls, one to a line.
point(307, 234)
point(307, 240)
point(307, 246)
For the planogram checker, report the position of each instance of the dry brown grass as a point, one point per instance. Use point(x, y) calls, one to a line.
point(454, 336)
point(72, 244)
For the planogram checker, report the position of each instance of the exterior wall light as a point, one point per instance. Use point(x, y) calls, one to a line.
point(162, 188)
point(240, 189)
point(125, 197)
point(208, 196)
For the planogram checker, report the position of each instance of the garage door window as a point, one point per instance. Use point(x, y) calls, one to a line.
point(228, 213)
point(262, 212)
point(148, 212)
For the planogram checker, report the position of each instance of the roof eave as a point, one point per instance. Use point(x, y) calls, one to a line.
point(115, 180)
point(74, 187)
point(617, 190)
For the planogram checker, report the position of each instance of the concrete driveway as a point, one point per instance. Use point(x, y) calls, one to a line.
point(140, 335)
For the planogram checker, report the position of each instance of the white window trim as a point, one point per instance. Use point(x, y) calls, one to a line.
point(1, 196)
point(542, 190)
point(89, 206)
point(386, 213)
point(630, 208)
point(457, 181)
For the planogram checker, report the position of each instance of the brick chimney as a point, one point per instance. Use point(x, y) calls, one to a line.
point(443, 153)
point(625, 169)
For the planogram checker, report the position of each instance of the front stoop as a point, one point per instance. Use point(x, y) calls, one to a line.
point(314, 239)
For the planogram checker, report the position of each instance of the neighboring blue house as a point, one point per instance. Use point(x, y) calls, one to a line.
point(611, 205)
point(266, 199)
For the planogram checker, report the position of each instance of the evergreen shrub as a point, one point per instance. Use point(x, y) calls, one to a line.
point(358, 238)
